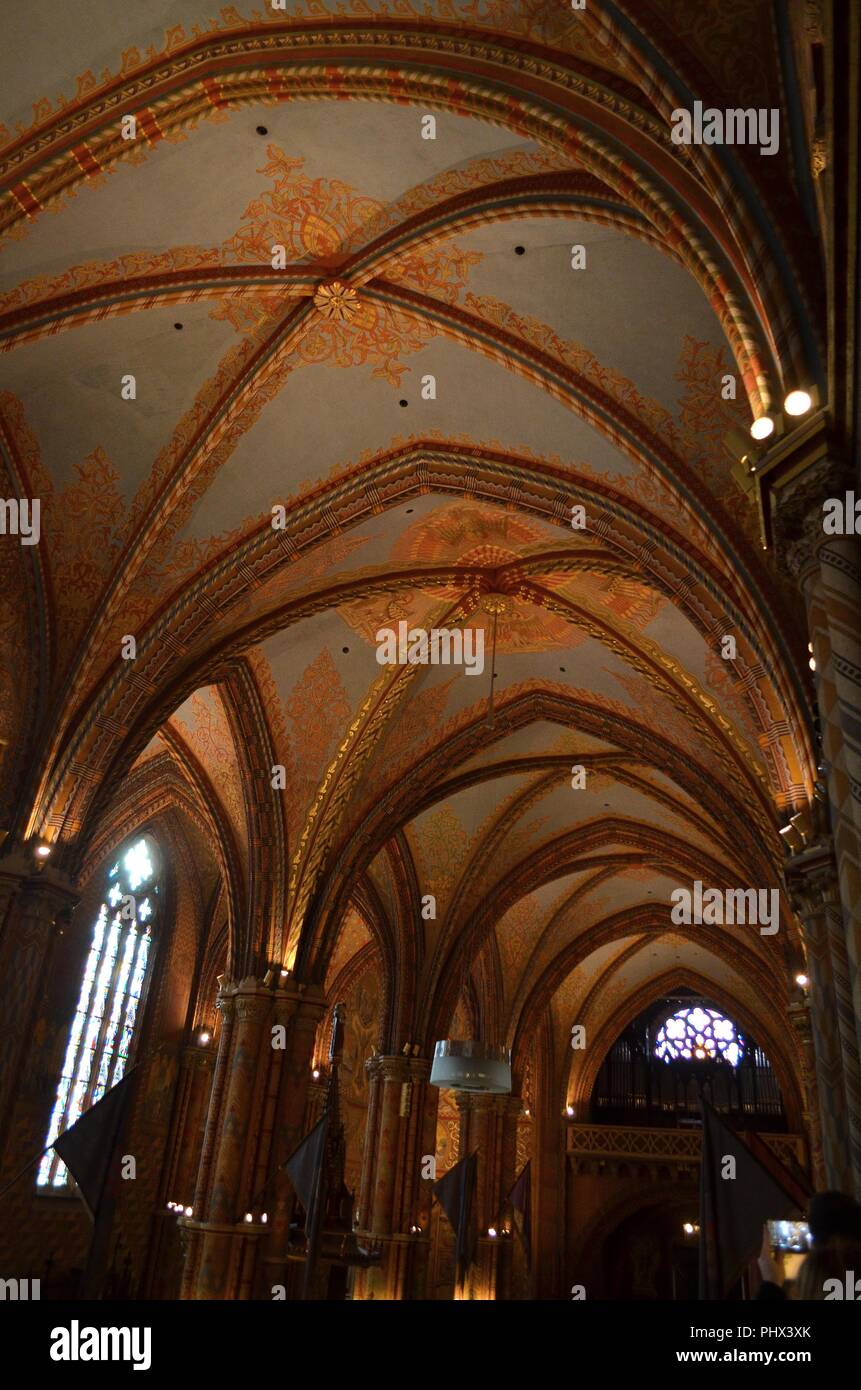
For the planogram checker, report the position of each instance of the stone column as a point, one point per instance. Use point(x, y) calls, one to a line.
point(37, 905)
point(840, 587)
point(298, 1011)
point(811, 1117)
point(489, 1124)
point(394, 1201)
point(841, 729)
point(798, 477)
point(217, 1236)
point(811, 879)
point(839, 696)
point(178, 1179)
point(197, 1068)
point(840, 568)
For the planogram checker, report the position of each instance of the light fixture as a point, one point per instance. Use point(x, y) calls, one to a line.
point(203, 1035)
point(188, 1211)
point(248, 1217)
point(494, 605)
point(792, 838)
point(471, 1066)
point(812, 663)
point(801, 979)
point(492, 1232)
point(316, 1073)
point(762, 427)
point(569, 1110)
point(284, 973)
point(798, 403)
point(43, 851)
point(688, 1228)
point(264, 1217)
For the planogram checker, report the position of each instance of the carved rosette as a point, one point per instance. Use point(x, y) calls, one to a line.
point(336, 301)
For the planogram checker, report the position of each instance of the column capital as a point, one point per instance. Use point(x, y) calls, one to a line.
point(42, 898)
point(491, 1101)
point(298, 1001)
point(394, 1068)
point(197, 1058)
point(251, 1007)
point(795, 477)
point(799, 1018)
point(811, 878)
point(419, 1068)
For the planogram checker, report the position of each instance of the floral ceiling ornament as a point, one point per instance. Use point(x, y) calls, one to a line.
point(336, 301)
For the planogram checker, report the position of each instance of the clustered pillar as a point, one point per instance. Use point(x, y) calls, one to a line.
point(252, 1124)
point(489, 1123)
point(799, 479)
point(33, 908)
point(394, 1197)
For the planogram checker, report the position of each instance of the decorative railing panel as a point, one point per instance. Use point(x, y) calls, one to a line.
point(666, 1145)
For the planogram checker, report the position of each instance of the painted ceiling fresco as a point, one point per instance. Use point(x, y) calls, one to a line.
point(296, 471)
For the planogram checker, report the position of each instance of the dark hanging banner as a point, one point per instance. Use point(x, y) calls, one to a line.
point(520, 1198)
point(455, 1193)
point(88, 1147)
point(733, 1210)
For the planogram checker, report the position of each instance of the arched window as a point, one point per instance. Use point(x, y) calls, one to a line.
point(699, 1034)
point(100, 1038)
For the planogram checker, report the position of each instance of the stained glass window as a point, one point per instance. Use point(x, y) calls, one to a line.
point(100, 1038)
point(699, 1034)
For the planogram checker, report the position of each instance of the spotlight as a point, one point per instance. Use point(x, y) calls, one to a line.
point(249, 1217)
point(492, 1232)
point(569, 1110)
point(203, 1036)
point(792, 838)
point(762, 427)
point(798, 403)
point(801, 980)
point(803, 824)
point(43, 851)
point(316, 1073)
point(265, 1217)
point(284, 974)
point(688, 1228)
point(189, 1211)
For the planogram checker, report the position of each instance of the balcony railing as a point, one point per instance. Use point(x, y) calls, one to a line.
point(664, 1145)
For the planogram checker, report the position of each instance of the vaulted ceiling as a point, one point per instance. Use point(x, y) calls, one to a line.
point(555, 387)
